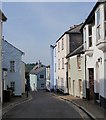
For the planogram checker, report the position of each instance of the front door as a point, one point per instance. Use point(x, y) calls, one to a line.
point(91, 83)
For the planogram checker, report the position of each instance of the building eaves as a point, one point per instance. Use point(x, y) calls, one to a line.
point(90, 16)
point(2, 16)
point(14, 47)
point(73, 30)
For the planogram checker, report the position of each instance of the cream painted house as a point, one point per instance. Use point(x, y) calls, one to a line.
point(64, 45)
point(76, 72)
point(94, 32)
point(2, 19)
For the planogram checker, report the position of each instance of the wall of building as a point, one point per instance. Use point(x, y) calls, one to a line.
point(33, 82)
point(41, 82)
point(76, 75)
point(10, 53)
point(97, 59)
point(0, 61)
point(61, 73)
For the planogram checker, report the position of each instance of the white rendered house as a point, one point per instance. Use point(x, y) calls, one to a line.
point(94, 32)
point(12, 68)
point(2, 19)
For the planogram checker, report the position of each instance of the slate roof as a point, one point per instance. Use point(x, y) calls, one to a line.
point(73, 30)
point(38, 70)
point(79, 50)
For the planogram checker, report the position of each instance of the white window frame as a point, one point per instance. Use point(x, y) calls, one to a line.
point(89, 36)
point(98, 32)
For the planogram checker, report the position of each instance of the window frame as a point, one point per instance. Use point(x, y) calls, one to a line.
point(98, 27)
point(62, 43)
point(12, 66)
point(62, 63)
point(89, 36)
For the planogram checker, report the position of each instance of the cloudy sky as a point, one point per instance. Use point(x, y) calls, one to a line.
point(33, 26)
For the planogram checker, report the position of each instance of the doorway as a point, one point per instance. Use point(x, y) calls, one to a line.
point(91, 83)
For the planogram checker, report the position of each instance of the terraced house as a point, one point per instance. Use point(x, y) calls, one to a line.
point(94, 36)
point(67, 43)
point(2, 19)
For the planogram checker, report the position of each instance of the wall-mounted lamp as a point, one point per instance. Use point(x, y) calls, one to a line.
point(100, 60)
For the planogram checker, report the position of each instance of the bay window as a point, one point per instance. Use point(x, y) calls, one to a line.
point(98, 25)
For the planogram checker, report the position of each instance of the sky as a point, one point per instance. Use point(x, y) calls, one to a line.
point(33, 26)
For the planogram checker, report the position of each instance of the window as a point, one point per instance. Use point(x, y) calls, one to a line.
point(12, 66)
point(62, 63)
point(41, 76)
point(12, 85)
point(90, 35)
point(58, 63)
point(105, 20)
point(42, 85)
point(98, 25)
point(80, 86)
point(58, 46)
point(79, 61)
point(62, 43)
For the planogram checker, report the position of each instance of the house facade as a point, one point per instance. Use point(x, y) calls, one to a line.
point(12, 68)
point(33, 82)
point(94, 36)
point(40, 71)
point(2, 19)
point(76, 72)
point(64, 45)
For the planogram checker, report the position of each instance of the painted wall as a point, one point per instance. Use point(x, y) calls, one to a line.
point(33, 82)
point(75, 75)
point(92, 61)
point(10, 53)
point(61, 73)
point(48, 78)
point(41, 82)
point(0, 61)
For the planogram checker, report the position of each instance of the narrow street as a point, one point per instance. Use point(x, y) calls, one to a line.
point(43, 105)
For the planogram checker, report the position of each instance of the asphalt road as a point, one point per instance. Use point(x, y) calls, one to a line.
point(43, 105)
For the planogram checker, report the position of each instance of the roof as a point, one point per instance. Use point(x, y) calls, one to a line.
point(90, 16)
point(13, 46)
point(79, 50)
point(73, 30)
point(2, 16)
point(38, 70)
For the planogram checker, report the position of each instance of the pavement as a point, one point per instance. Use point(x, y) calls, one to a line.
point(14, 101)
point(93, 110)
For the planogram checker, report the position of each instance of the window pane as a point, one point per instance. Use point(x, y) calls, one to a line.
point(90, 41)
point(98, 32)
point(90, 30)
point(98, 17)
point(105, 28)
